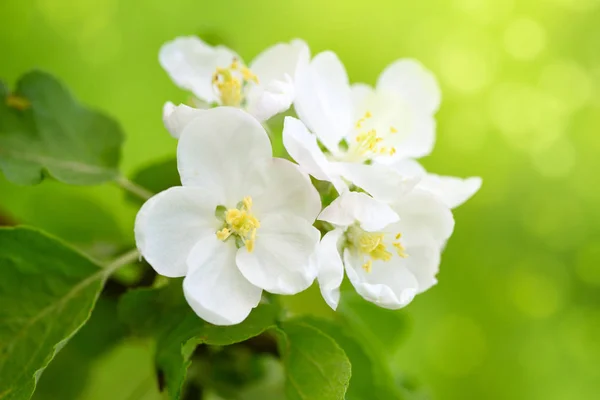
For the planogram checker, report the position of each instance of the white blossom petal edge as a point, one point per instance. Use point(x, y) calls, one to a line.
point(358, 124)
point(451, 190)
point(240, 224)
point(389, 253)
point(217, 75)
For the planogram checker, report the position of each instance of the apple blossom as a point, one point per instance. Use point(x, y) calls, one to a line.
point(240, 223)
point(389, 253)
point(217, 75)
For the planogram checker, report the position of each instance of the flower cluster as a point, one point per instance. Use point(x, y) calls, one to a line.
point(243, 221)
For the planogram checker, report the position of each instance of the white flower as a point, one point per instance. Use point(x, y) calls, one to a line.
point(218, 75)
point(241, 222)
point(451, 190)
point(356, 124)
point(390, 254)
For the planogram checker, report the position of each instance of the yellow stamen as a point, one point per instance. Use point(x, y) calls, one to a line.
point(230, 81)
point(241, 223)
point(371, 245)
point(369, 142)
point(400, 249)
point(363, 119)
point(17, 102)
point(223, 234)
point(393, 130)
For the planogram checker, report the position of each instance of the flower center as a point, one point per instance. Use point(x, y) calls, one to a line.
point(368, 142)
point(229, 82)
point(372, 246)
point(240, 223)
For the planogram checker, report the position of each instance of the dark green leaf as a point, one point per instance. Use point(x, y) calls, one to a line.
point(156, 177)
point(371, 376)
point(47, 292)
point(46, 131)
point(316, 367)
point(164, 315)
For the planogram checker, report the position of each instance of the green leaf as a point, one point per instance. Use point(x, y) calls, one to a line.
point(156, 177)
point(47, 292)
point(69, 373)
point(44, 130)
point(371, 376)
point(382, 329)
point(164, 315)
point(316, 367)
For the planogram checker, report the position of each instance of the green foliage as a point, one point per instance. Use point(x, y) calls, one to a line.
point(380, 330)
point(371, 377)
point(98, 336)
point(47, 292)
point(156, 177)
point(163, 314)
point(316, 367)
point(44, 130)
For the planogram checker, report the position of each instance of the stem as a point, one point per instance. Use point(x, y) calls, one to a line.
point(134, 188)
point(127, 258)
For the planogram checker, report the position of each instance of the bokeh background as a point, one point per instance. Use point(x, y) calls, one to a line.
point(516, 313)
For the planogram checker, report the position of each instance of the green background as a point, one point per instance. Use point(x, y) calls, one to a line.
point(515, 315)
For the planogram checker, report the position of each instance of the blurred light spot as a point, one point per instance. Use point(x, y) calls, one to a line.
point(538, 355)
point(463, 68)
point(457, 345)
point(556, 160)
point(101, 50)
point(588, 263)
point(580, 330)
point(528, 118)
point(567, 81)
point(524, 39)
point(555, 216)
point(577, 5)
point(465, 129)
point(78, 20)
point(485, 11)
point(535, 295)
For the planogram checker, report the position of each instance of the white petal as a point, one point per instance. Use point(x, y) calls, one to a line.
point(330, 267)
point(451, 190)
point(414, 131)
point(191, 64)
point(324, 99)
point(302, 146)
point(422, 216)
point(281, 260)
point(420, 140)
point(220, 151)
point(287, 190)
point(360, 92)
point(423, 262)
point(276, 69)
point(410, 168)
point(389, 284)
point(413, 83)
point(382, 182)
point(265, 101)
point(171, 223)
point(351, 207)
point(214, 287)
point(176, 118)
